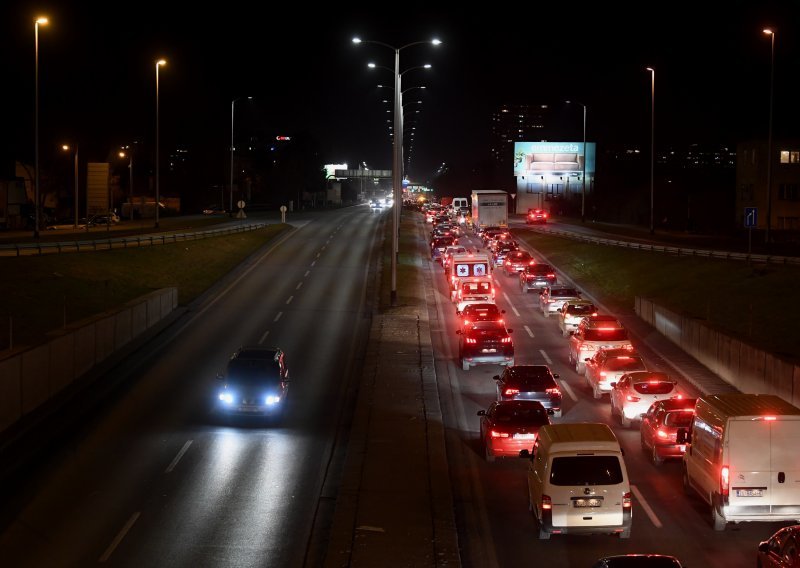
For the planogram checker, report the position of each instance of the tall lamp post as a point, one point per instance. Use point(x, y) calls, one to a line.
point(233, 103)
point(652, 140)
point(583, 177)
point(771, 33)
point(159, 63)
point(397, 153)
point(129, 155)
point(67, 148)
point(39, 22)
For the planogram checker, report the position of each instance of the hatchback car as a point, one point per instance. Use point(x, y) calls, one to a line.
point(536, 277)
point(638, 561)
point(660, 426)
point(594, 333)
point(256, 382)
point(508, 427)
point(485, 311)
point(781, 550)
point(608, 365)
point(530, 382)
point(516, 261)
point(536, 216)
point(553, 297)
point(636, 392)
point(485, 343)
point(571, 314)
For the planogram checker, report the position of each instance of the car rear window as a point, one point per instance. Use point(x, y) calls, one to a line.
point(606, 335)
point(477, 287)
point(539, 269)
point(580, 310)
point(639, 562)
point(679, 419)
point(529, 384)
point(521, 414)
point(625, 364)
point(586, 470)
point(658, 387)
point(563, 292)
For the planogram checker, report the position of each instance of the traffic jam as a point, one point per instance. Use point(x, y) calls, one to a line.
point(562, 391)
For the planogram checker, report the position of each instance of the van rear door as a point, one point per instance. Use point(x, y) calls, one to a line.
point(587, 490)
point(749, 468)
point(785, 467)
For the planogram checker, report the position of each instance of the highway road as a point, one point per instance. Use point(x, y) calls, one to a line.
point(159, 480)
point(495, 527)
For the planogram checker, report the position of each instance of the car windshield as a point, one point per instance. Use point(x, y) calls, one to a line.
point(625, 364)
point(586, 470)
point(473, 288)
point(539, 269)
point(606, 335)
point(253, 371)
point(679, 419)
point(654, 387)
point(521, 414)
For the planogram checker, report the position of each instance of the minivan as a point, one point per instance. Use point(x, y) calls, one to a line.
point(741, 458)
point(577, 481)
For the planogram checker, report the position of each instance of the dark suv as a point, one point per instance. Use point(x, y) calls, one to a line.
point(485, 343)
point(530, 382)
point(255, 382)
point(536, 277)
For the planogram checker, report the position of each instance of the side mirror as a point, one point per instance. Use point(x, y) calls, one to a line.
point(481, 413)
point(458, 332)
point(525, 454)
point(556, 376)
point(683, 436)
point(588, 359)
point(509, 330)
point(496, 378)
point(502, 311)
point(613, 384)
point(763, 547)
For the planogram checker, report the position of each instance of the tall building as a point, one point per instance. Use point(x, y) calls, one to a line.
point(518, 123)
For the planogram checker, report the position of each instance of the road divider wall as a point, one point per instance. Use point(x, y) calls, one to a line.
point(32, 376)
point(748, 368)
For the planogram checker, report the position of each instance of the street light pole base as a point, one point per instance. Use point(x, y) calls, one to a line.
point(393, 298)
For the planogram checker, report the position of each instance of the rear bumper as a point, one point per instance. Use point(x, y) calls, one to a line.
point(488, 358)
point(508, 448)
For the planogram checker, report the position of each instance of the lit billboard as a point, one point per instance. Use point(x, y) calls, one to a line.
point(330, 170)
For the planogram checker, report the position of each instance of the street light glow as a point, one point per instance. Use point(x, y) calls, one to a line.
point(371, 65)
point(436, 41)
point(768, 31)
point(65, 147)
point(161, 62)
point(42, 21)
point(427, 66)
point(356, 40)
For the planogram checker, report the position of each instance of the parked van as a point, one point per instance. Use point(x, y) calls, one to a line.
point(742, 458)
point(577, 481)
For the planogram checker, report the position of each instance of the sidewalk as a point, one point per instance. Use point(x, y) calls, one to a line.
point(395, 505)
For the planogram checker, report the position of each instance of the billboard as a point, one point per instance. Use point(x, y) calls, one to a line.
point(330, 170)
point(549, 170)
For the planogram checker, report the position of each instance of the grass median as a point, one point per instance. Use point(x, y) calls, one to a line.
point(44, 293)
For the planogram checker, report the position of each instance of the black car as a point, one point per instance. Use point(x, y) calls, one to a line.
point(638, 561)
point(473, 313)
point(530, 382)
point(256, 382)
point(536, 276)
point(485, 343)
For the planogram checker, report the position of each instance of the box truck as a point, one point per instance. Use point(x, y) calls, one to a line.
point(742, 458)
point(489, 209)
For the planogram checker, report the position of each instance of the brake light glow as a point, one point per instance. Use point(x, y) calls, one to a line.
point(547, 503)
point(551, 275)
point(511, 392)
point(467, 322)
point(770, 418)
point(505, 340)
point(606, 328)
point(626, 500)
point(631, 398)
point(471, 340)
point(553, 392)
point(661, 434)
point(603, 373)
point(724, 480)
point(498, 434)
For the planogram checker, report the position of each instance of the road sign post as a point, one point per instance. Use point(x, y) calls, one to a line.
point(750, 221)
point(283, 213)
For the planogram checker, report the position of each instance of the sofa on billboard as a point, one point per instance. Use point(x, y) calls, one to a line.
point(553, 162)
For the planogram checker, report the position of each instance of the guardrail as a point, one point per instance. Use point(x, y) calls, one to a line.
point(40, 248)
point(680, 251)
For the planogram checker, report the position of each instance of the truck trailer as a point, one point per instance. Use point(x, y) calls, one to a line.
point(489, 208)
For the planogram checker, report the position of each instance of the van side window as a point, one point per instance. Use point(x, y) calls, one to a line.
point(707, 441)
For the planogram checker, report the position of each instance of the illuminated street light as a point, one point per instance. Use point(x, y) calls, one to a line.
point(583, 178)
point(39, 22)
point(770, 33)
point(233, 103)
point(129, 155)
point(159, 63)
point(397, 154)
point(67, 148)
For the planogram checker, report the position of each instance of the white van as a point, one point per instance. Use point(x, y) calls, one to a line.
point(577, 481)
point(742, 458)
point(458, 203)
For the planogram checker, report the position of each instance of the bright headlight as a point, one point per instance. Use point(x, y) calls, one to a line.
point(226, 397)
point(273, 399)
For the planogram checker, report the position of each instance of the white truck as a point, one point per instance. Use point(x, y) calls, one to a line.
point(489, 209)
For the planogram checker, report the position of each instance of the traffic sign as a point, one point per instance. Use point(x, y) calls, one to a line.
point(751, 217)
point(240, 204)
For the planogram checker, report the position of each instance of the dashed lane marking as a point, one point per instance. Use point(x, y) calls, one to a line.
point(263, 337)
point(568, 390)
point(278, 316)
point(298, 286)
point(646, 506)
point(546, 358)
point(121, 535)
point(528, 330)
point(510, 304)
point(289, 301)
point(178, 457)
point(307, 273)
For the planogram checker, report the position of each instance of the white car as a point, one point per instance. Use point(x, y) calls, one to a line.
point(632, 396)
point(608, 366)
point(554, 296)
point(571, 314)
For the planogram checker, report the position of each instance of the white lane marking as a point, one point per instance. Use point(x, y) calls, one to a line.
point(289, 301)
point(510, 304)
point(646, 506)
point(278, 316)
point(313, 263)
point(117, 539)
point(546, 358)
point(307, 273)
point(322, 249)
point(298, 286)
point(568, 389)
point(178, 457)
point(528, 330)
point(263, 337)
point(318, 255)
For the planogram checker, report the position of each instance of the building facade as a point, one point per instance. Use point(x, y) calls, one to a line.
point(783, 200)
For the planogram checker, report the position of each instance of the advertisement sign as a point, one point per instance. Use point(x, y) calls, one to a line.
point(555, 158)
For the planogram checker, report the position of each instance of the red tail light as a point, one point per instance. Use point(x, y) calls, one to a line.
point(511, 392)
point(553, 392)
point(661, 434)
point(551, 275)
point(626, 500)
point(724, 480)
point(471, 340)
point(547, 503)
point(603, 373)
point(467, 322)
point(498, 434)
point(631, 398)
point(505, 340)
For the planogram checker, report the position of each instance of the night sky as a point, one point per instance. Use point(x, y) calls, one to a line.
point(97, 77)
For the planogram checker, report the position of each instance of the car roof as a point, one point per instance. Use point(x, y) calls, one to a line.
point(525, 371)
point(678, 404)
point(613, 353)
point(481, 306)
point(489, 325)
point(256, 352)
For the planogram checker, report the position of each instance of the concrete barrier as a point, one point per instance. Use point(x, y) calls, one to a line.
point(745, 367)
point(31, 377)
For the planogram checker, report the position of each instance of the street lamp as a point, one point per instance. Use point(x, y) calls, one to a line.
point(233, 103)
point(129, 155)
point(652, 138)
point(43, 22)
point(397, 154)
point(159, 63)
point(583, 178)
point(771, 33)
point(67, 148)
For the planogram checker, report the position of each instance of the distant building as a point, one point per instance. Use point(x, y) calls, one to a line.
point(517, 123)
point(751, 183)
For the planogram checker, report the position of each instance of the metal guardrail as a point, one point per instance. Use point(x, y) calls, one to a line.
point(35, 249)
point(679, 251)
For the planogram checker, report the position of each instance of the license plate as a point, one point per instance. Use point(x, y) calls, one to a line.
point(749, 492)
point(489, 351)
point(524, 436)
point(682, 447)
point(588, 502)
